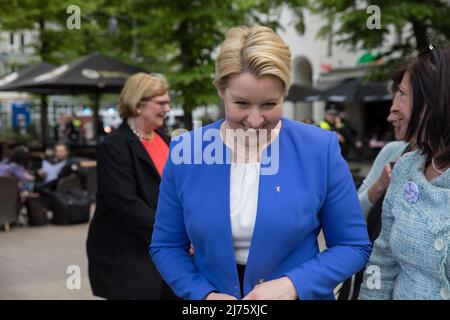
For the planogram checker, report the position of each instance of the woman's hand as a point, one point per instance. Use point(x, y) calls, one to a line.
point(279, 289)
point(378, 189)
point(219, 296)
point(29, 176)
point(41, 173)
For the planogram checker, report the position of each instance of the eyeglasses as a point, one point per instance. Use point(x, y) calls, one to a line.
point(430, 50)
point(146, 99)
point(162, 104)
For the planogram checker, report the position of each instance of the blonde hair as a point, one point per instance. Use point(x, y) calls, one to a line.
point(258, 50)
point(138, 86)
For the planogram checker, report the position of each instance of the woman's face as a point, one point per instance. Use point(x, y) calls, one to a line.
point(153, 111)
point(400, 112)
point(253, 102)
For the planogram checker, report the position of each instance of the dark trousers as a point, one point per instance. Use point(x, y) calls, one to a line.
point(241, 272)
point(167, 293)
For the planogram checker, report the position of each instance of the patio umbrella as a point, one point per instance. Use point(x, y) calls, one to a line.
point(11, 81)
point(14, 80)
point(355, 90)
point(93, 74)
point(300, 93)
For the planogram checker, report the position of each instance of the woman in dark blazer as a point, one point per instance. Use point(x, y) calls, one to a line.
point(130, 163)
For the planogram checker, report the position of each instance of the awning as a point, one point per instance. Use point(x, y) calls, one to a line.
point(92, 73)
point(299, 93)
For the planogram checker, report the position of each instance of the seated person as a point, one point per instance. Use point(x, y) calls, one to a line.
point(16, 166)
point(56, 168)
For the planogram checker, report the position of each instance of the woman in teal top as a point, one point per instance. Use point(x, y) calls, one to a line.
point(410, 259)
point(377, 180)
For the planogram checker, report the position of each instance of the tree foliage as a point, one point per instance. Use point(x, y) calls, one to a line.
point(176, 37)
point(414, 23)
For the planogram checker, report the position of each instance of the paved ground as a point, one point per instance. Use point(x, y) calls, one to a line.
point(33, 262)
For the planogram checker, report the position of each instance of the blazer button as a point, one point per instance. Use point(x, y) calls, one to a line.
point(439, 245)
point(445, 294)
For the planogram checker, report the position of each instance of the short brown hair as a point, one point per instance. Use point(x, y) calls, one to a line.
point(138, 86)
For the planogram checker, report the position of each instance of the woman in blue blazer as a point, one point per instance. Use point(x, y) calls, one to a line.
point(253, 218)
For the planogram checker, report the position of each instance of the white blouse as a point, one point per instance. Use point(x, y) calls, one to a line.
point(244, 190)
point(244, 187)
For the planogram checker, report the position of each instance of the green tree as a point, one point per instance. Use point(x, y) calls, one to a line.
point(55, 42)
point(188, 33)
point(414, 22)
point(176, 37)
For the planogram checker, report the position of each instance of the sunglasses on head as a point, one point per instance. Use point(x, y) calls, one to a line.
point(429, 49)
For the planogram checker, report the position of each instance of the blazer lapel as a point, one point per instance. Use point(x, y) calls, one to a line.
point(268, 205)
point(219, 187)
point(137, 146)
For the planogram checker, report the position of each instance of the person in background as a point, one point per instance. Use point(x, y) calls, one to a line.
point(130, 163)
point(333, 122)
point(329, 121)
point(54, 169)
point(412, 252)
point(308, 120)
point(16, 166)
point(372, 190)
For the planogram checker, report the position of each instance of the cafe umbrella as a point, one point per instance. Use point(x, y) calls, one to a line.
point(356, 90)
point(14, 80)
point(301, 93)
point(93, 74)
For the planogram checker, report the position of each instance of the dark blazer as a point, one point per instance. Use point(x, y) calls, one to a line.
point(120, 266)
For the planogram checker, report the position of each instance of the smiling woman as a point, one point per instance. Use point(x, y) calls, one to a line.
point(254, 232)
point(130, 164)
point(411, 252)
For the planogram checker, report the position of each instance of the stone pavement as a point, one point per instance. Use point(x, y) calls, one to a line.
point(34, 260)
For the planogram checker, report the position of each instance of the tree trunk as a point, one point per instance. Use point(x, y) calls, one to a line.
point(187, 119)
point(44, 122)
point(96, 116)
point(186, 64)
point(43, 49)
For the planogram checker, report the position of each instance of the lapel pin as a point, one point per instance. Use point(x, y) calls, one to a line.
point(277, 188)
point(411, 192)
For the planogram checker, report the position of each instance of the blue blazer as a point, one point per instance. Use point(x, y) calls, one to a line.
point(311, 189)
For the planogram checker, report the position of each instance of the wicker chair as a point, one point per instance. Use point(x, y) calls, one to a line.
point(9, 201)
